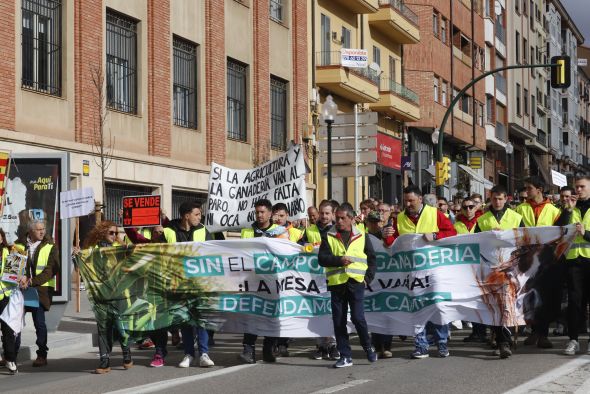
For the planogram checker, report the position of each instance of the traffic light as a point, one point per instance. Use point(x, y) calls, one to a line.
point(443, 171)
point(561, 77)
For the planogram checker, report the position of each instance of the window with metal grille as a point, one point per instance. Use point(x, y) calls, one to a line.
point(278, 113)
point(276, 10)
point(185, 83)
point(121, 76)
point(41, 46)
point(237, 74)
point(114, 198)
point(180, 196)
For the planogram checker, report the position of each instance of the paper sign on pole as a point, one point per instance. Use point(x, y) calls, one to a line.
point(141, 211)
point(76, 203)
point(558, 178)
point(232, 193)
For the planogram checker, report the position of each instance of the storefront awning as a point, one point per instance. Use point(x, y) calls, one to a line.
point(476, 177)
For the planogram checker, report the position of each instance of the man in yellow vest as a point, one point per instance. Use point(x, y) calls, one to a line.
point(42, 266)
point(499, 217)
point(538, 211)
point(350, 263)
point(465, 223)
point(420, 218)
point(280, 216)
point(262, 227)
point(312, 214)
point(186, 229)
point(443, 206)
point(578, 261)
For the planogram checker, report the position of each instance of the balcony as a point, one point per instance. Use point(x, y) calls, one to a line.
point(398, 101)
point(496, 136)
point(500, 88)
point(539, 143)
point(464, 57)
point(500, 43)
point(359, 85)
point(396, 21)
point(359, 6)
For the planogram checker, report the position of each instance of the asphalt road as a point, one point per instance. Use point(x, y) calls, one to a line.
point(469, 369)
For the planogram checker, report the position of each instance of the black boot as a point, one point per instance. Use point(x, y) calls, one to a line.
point(127, 361)
point(267, 353)
point(248, 355)
point(103, 367)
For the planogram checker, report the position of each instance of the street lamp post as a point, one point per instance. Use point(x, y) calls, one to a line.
point(509, 152)
point(329, 112)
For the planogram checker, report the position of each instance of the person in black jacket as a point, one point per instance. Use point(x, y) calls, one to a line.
point(350, 264)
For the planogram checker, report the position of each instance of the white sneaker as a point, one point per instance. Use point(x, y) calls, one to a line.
point(572, 347)
point(205, 361)
point(186, 361)
point(457, 324)
point(11, 365)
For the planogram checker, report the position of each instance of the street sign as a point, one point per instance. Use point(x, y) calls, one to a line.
point(362, 118)
point(475, 162)
point(406, 163)
point(369, 130)
point(582, 62)
point(348, 144)
point(348, 171)
point(348, 157)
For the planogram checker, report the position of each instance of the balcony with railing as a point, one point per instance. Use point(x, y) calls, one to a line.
point(396, 21)
point(397, 100)
point(359, 85)
point(501, 132)
point(359, 6)
point(541, 137)
point(501, 33)
point(500, 83)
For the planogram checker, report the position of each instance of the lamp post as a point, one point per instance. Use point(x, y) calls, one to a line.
point(509, 151)
point(329, 112)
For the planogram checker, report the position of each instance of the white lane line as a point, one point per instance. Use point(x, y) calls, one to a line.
point(341, 387)
point(550, 376)
point(166, 384)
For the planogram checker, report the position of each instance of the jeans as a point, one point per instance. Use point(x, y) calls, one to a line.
point(550, 288)
point(578, 280)
point(441, 334)
point(38, 315)
point(188, 340)
point(343, 296)
point(9, 339)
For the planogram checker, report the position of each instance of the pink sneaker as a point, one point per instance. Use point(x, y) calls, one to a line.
point(157, 361)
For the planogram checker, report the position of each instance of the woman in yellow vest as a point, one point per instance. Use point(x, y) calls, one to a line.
point(8, 337)
point(350, 264)
point(104, 234)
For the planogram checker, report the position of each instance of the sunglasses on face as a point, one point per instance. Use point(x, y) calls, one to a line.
point(442, 205)
point(468, 206)
point(112, 233)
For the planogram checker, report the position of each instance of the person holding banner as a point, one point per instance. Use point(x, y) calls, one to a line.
point(538, 211)
point(350, 264)
point(466, 220)
point(420, 218)
point(186, 229)
point(500, 217)
point(280, 216)
point(262, 227)
point(10, 351)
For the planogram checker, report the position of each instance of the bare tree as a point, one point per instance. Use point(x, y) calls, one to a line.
point(102, 140)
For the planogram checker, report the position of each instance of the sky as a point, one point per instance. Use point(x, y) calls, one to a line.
point(579, 10)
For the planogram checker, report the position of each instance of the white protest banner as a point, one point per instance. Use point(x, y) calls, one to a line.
point(558, 179)
point(76, 203)
point(277, 288)
point(232, 193)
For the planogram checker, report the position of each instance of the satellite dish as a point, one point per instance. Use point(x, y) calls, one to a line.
point(375, 68)
point(498, 8)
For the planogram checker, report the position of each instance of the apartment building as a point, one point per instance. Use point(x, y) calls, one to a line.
point(385, 28)
point(527, 113)
point(563, 39)
point(185, 83)
point(584, 108)
point(450, 54)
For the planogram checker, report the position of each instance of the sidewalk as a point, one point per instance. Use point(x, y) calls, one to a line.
point(73, 336)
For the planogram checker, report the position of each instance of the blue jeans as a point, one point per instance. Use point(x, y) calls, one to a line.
point(441, 335)
point(188, 340)
point(343, 296)
point(38, 315)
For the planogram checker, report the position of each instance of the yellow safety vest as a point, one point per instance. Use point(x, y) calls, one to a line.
point(580, 247)
point(295, 234)
point(42, 260)
point(355, 252)
point(462, 228)
point(249, 232)
point(146, 232)
point(313, 235)
point(548, 215)
point(427, 222)
point(4, 290)
point(510, 220)
point(198, 235)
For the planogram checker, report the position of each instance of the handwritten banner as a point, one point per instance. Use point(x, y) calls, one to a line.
point(232, 193)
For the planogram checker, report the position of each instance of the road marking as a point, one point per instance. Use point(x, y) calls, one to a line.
point(551, 376)
point(341, 387)
point(166, 384)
